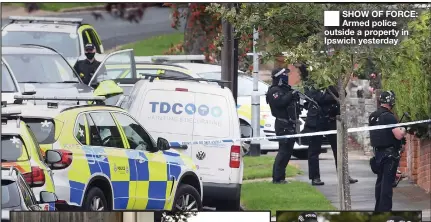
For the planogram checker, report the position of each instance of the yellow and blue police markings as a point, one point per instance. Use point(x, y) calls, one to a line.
point(139, 180)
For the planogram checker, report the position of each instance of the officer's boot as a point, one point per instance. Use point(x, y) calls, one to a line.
point(351, 180)
point(317, 182)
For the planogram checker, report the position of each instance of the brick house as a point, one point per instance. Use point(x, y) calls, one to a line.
point(415, 162)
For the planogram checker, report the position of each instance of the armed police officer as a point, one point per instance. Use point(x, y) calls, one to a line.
point(87, 67)
point(285, 107)
point(386, 144)
point(321, 117)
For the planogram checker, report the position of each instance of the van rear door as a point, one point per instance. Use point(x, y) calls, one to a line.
point(169, 113)
point(212, 122)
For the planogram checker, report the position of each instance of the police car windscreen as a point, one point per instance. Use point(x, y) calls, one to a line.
point(65, 43)
point(43, 129)
point(10, 197)
point(7, 84)
point(36, 68)
point(12, 149)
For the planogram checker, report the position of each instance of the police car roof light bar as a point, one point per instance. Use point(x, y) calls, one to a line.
point(151, 77)
point(178, 58)
point(45, 19)
point(61, 98)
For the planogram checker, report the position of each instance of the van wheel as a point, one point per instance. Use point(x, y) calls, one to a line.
point(187, 198)
point(95, 200)
point(264, 152)
point(230, 205)
point(301, 154)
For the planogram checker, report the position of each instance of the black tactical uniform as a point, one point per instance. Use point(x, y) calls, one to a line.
point(285, 107)
point(321, 118)
point(308, 217)
point(87, 67)
point(386, 152)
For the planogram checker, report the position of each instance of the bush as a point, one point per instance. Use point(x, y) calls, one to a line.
point(407, 71)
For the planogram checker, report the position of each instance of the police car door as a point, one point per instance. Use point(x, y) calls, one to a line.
point(125, 58)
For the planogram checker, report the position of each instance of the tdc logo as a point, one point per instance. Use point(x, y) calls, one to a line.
point(189, 108)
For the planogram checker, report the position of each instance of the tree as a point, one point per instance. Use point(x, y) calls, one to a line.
point(408, 65)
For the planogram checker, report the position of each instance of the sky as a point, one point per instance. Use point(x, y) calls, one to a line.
point(231, 217)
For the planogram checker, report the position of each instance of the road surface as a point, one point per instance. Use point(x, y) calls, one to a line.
point(116, 32)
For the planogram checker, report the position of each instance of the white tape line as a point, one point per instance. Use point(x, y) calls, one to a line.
point(321, 133)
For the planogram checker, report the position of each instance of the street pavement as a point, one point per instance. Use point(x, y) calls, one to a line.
point(407, 196)
point(114, 32)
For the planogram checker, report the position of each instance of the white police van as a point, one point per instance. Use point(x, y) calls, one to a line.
point(183, 110)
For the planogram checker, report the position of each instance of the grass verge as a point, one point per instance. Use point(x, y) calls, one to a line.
point(156, 45)
point(55, 7)
point(293, 196)
point(261, 167)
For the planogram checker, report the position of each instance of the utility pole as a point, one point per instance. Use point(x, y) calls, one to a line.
point(255, 100)
point(227, 52)
point(234, 83)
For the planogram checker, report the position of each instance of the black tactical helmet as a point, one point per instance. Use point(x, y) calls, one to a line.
point(396, 219)
point(307, 217)
point(387, 97)
point(279, 76)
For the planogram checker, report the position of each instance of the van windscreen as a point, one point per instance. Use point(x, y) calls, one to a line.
point(13, 148)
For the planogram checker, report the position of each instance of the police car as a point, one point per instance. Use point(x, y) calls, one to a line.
point(21, 150)
point(17, 195)
point(68, 36)
point(109, 161)
point(9, 85)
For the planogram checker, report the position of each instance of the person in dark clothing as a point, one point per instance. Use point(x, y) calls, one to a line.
point(386, 144)
point(285, 107)
point(320, 118)
point(87, 67)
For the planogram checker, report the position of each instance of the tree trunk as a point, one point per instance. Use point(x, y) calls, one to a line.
point(342, 152)
point(193, 44)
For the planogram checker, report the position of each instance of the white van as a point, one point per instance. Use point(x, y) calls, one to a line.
point(184, 111)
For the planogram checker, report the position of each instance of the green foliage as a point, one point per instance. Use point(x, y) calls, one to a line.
point(155, 45)
point(406, 69)
point(351, 216)
point(261, 167)
point(294, 196)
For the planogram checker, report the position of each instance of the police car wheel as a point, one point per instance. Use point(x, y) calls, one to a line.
point(187, 198)
point(95, 200)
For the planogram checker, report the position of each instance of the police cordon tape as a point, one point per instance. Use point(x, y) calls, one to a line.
point(321, 133)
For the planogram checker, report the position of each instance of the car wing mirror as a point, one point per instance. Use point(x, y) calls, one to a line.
point(52, 156)
point(47, 197)
point(163, 144)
